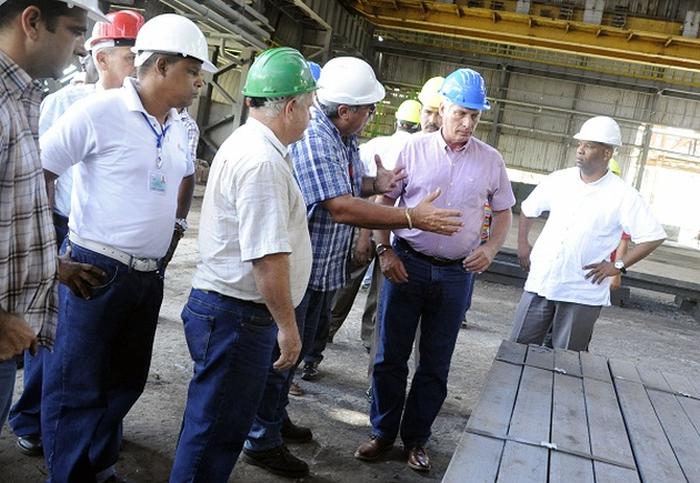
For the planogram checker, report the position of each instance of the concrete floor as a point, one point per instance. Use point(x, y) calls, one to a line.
point(651, 332)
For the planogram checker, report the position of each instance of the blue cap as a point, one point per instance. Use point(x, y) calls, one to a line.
point(466, 88)
point(315, 70)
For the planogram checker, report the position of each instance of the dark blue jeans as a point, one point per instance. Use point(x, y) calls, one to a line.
point(8, 371)
point(25, 415)
point(438, 297)
point(230, 342)
point(265, 432)
point(98, 368)
point(320, 341)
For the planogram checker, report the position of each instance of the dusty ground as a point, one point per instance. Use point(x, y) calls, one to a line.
point(650, 332)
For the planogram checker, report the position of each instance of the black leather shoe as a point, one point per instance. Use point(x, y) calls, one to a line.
point(278, 461)
point(30, 445)
point(291, 433)
point(310, 371)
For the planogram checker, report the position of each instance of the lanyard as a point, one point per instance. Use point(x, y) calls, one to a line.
point(159, 140)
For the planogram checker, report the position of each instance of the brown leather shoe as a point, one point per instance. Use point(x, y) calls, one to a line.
point(373, 448)
point(418, 459)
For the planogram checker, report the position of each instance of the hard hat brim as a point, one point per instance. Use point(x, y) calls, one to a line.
point(143, 56)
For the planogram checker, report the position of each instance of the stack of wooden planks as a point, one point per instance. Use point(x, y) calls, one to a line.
point(561, 416)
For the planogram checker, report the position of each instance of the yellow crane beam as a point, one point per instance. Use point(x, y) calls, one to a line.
point(508, 27)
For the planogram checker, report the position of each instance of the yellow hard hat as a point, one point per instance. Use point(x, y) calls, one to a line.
point(430, 93)
point(614, 166)
point(409, 111)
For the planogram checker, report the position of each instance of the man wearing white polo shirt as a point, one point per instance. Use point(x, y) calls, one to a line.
point(131, 154)
point(570, 269)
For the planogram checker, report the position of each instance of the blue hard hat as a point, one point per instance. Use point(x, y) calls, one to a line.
point(466, 88)
point(315, 70)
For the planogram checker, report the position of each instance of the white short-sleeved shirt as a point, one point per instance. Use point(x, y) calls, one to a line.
point(387, 147)
point(585, 223)
point(52, 108)
point(122, 196)
point(252, 208)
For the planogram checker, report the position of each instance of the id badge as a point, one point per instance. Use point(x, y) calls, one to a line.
point(157, 182)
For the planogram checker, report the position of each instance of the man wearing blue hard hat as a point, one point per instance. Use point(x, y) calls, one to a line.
point(429, 276)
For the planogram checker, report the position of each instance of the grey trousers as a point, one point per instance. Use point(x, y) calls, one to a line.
point(344, 300)
point(571, 323)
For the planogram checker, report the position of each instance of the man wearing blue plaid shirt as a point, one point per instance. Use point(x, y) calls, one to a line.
point(329, 171)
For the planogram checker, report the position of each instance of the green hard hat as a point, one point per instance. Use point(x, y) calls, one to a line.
point(279, 72)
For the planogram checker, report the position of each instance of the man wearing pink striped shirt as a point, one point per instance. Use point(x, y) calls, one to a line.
point(428, 276)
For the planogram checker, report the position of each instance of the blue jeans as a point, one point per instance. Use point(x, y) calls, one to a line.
point(8, 371)
point(230, 342)
point(438, 297)
point(323, 325)
point(98, 368)
point(25, 416)
point(265, 432)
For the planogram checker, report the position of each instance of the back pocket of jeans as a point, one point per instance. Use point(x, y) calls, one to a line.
point(198, 329)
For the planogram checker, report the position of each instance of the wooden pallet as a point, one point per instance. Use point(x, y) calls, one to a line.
point(563, 416)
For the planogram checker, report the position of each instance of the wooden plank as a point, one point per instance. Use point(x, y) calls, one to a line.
point(511, 352)
point(595, 367)
point(681, 384)
point(475, 459)
point(569, 427)
point(531, 421)
point(653, 378)
point(655, 458)
point(607, 431)
point(568, 361)
point(680, 432)
point(479, 457)
point(692, 410)
point(625, 370)
point(541, 357)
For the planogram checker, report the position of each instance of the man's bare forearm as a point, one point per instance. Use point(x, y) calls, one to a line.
point(184, 196)
point(640, 251)
point(271, 274)
point(500, 225)
point(50, 179)
point(524, 227)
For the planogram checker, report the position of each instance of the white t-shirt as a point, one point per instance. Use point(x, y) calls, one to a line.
point(123, 196)
point(52, 108)
point(252, 207)
point(387, 147)
point(585, 223)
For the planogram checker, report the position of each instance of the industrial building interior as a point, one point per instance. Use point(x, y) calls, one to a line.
point(548, 66)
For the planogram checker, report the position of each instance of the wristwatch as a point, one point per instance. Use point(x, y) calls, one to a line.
point(620, 265)
point(381, 248)
point(181, 224)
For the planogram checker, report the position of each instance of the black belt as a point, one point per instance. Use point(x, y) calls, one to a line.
point(59, 219)
point(440, 262)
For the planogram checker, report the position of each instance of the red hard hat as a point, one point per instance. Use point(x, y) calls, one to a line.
point(123, 27)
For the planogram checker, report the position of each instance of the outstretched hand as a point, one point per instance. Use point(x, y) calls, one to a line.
point(386, 180)
point(427, 217)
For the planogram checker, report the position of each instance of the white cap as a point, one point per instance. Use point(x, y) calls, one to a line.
point(600, 129)
point(349, 80)
point(172, 34)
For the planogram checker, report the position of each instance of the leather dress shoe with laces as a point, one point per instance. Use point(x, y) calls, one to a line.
point(291, 433)
point(278, 461)
point(30, 445)
point(418, 459)
point(373, 448)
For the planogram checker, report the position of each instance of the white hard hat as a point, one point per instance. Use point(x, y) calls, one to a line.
point(172, 34)
point(349, 80)
point(600, 129)
point(90, 6)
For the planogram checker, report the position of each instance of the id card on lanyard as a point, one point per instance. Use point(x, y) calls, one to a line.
point(157, 181)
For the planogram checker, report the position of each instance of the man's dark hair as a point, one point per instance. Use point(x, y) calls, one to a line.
point(50, 11)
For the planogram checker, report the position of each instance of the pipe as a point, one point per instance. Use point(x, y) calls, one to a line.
point(209, 14)
point(238, 18)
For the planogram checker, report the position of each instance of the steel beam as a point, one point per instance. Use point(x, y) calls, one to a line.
point(645, 47)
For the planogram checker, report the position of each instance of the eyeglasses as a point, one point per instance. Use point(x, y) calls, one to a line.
point(370, 108)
